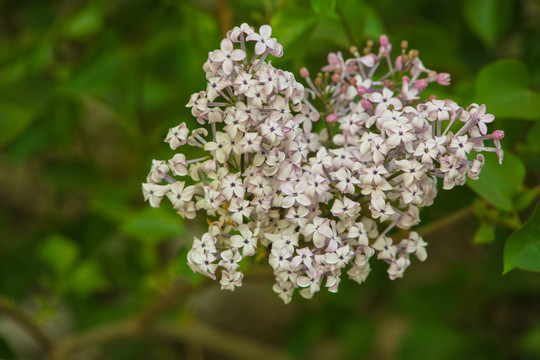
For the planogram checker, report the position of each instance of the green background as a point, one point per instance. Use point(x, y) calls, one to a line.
point(88, 90)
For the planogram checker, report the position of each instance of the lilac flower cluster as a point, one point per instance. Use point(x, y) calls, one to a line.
point(315, 202)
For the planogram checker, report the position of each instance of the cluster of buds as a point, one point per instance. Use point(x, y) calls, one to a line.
point(315, 202)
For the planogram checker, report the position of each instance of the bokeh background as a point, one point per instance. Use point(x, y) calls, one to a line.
point(88, 90)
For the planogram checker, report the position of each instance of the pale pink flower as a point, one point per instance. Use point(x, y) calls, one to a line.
point(263, 40)
point(294, 194)
point(153, 193)
point(177, 136)
point(227, 55)
point(247, 241)
point(384, 100)
point(479, 114)
point(385, 247)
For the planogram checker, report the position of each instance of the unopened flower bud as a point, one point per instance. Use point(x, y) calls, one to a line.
point(399, 63)
point(498, 135)
point(361, 90)
point(405, 79)
point(432, 74)
point(365, 104)
point(404, 44)
point(414, 53)
point(433, 97)
point(343, 89)
point(336, 78)
point(369, 43)
point(304, 72)
point(383, 39)
point(443, 79)
point(331, 118)
point(420, 84)
point(352, 81)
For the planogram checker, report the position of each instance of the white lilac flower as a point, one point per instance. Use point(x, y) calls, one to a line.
point(231, 279)
point(246, 240)
point(177, 136)
point(295, 195)
point(221, 148)
point(227, 55)
point(154, 193)
point(263, 40)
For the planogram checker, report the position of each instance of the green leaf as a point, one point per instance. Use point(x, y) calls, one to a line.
point(488, 19)
point(522, 248)
point(499, 184)
point(293, 27)
point(324, 7)
point(360, 19)
point(87, 278)
point(484, 235)
point(153, 225)
point(504, 87)
point(525, 198)
point(14, 121)
point(60, 253)
point(85, 22)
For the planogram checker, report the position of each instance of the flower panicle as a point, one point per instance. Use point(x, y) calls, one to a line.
point(315, 202)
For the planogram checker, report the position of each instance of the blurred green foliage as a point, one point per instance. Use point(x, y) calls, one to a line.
point(88, 90)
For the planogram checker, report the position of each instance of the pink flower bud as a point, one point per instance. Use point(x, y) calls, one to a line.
point(383, 39)
point(361, 90)
point(336, 78)
point(304, 72)
point(331, 118)
point(399, 63)
point(498, 134)
point(420, 84)
point(433, 97)
point(365, 104)
point(443, 79)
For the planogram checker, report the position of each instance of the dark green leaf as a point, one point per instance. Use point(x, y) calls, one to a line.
point(522, 248)
point(504, 87)
point(324, 7)
point(359, 20)
point(293, 27)
point(525, 198)
point(488, 19)
point(329, 31)
point(499, 184)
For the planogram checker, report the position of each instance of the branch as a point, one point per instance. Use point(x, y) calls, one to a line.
point(194, 333)
point(436, 227)
point(10, 310)
point(224, 17)
point(456, 217)
point(179, 290)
